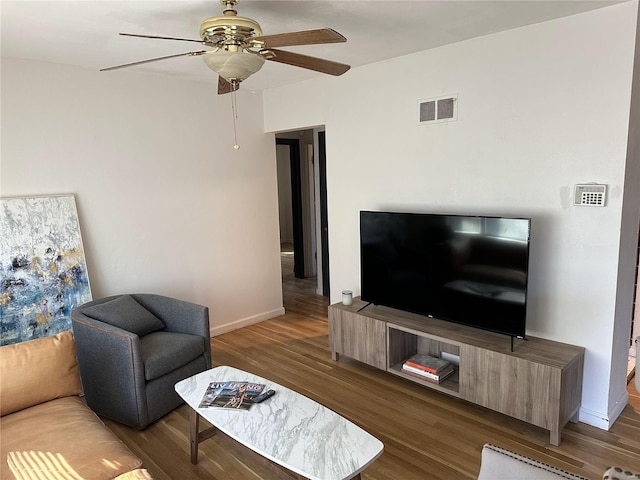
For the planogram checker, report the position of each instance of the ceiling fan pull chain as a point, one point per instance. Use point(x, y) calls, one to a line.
point(234, 114)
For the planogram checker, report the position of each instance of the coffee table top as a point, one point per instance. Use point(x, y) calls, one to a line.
point(288, 429)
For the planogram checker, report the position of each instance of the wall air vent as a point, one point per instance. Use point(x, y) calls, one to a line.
point(440, 109)
point(428, 111)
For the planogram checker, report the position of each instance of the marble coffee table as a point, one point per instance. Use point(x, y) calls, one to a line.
point(289, 429)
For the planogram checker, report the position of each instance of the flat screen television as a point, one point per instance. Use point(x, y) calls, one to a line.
point(471, 270)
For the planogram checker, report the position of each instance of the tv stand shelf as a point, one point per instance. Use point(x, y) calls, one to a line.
point(406, 342)
point(540, 382)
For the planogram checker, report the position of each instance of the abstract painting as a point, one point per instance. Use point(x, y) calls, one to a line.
point(42, 267)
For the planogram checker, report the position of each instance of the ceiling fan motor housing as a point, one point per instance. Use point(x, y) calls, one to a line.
point(233, 60)
point(229, 29)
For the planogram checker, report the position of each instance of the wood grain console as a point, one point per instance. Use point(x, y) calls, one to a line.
point(540, 382)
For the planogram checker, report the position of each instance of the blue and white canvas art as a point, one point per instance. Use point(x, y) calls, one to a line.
point(42, 266)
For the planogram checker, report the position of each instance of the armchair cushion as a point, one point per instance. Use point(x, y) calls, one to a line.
point(125, 313)
point(163, 352)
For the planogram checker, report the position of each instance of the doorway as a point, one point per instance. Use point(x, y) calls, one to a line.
point(301, 165)
point(290, 196)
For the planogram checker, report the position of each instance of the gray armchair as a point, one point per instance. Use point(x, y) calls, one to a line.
point(133, 349)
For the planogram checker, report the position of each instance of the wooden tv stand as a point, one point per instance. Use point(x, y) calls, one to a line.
point(540, 382)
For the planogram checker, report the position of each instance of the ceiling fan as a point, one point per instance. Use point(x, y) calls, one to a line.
point(240, 49)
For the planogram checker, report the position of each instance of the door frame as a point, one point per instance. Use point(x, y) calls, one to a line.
point(296, 204)
point(324, 289)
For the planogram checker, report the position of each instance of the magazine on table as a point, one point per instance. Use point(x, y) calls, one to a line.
point(233, 394)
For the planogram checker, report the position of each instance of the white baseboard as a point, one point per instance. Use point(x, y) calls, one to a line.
point(245, 322)
point(601, 421)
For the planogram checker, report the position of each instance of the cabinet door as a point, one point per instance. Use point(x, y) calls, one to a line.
point(358, 337)
point(514, 386)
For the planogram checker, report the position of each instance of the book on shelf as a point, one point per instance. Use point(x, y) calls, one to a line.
point(432, 377)
point(233, 394)
point(422, 377)
point(428, 363)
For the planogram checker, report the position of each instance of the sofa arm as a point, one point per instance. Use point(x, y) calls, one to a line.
point(500, 463)
point(37, 371)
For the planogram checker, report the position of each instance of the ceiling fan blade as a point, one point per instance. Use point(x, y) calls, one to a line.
point(224, 86)
point(311, 63)
point(162, 38)
point(304, 37)
point(188, 54)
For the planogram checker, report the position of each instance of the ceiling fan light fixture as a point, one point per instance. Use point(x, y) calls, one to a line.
point(240, 48)
point(233, 66)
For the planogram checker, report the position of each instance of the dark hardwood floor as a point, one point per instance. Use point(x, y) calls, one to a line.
point(427, 435)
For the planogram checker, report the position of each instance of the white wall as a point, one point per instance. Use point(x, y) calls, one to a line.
point(166, 205)
point(540, 109)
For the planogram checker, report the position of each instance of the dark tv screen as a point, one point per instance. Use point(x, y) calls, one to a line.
point(465, 269)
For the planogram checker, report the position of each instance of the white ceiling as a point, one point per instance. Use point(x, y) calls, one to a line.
point(85, 33)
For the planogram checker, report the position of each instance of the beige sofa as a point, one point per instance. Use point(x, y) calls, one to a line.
point(48, 432)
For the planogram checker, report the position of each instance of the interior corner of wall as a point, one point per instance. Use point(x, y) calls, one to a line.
point(601, 420)
point(245, 322)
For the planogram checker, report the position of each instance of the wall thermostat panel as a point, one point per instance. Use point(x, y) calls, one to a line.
point(590, 195)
